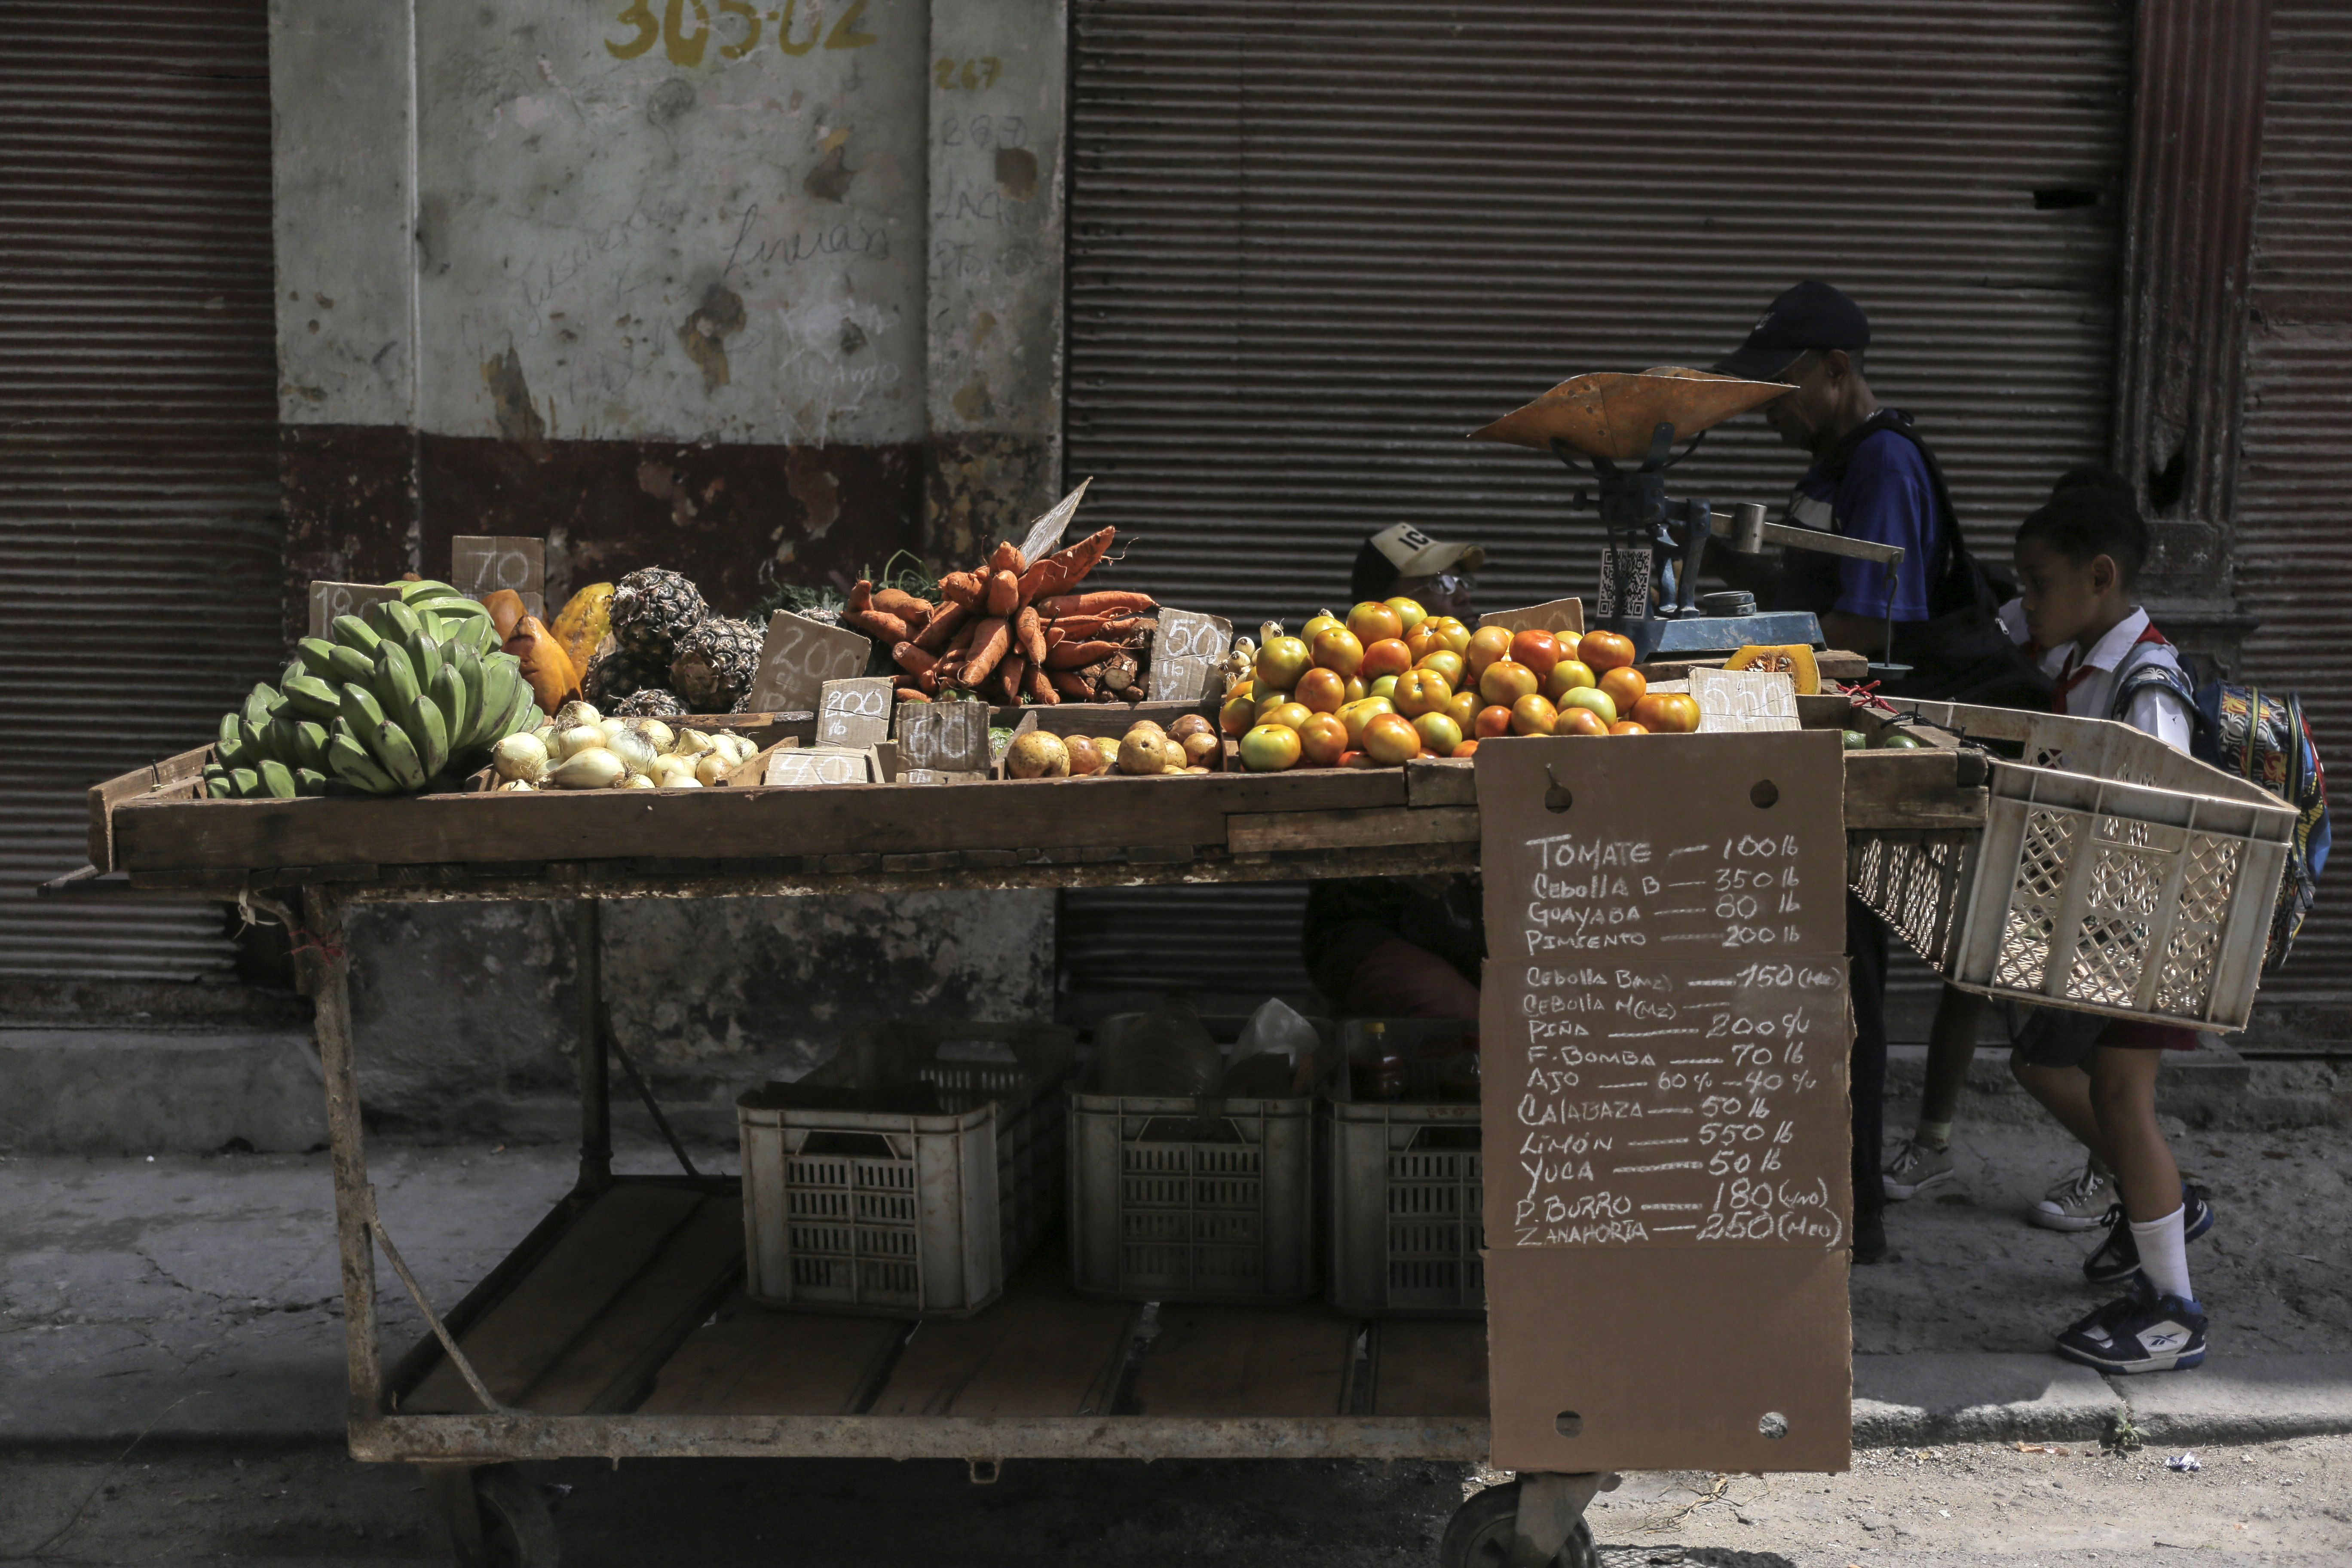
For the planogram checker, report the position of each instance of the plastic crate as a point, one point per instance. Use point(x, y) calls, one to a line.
point(1407, 1186)
point(2113, 875)
point(909, 1175)
point(1192, 1198)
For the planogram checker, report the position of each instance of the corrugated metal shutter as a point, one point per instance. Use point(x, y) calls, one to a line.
point(1312, 245)
point(2294, 554)
point(138, 419)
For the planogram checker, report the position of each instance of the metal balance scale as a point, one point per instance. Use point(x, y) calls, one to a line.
point(1627, 426)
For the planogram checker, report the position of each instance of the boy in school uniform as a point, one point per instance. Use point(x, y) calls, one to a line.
point(2076, 560)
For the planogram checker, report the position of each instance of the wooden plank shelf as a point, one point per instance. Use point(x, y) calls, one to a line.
point(1003, 833)
point(634, 1304)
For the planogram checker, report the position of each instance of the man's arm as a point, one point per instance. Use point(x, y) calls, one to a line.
point(1855, 634)
point(1759, 574)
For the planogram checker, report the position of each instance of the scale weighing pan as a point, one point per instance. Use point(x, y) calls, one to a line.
point(1615, 414)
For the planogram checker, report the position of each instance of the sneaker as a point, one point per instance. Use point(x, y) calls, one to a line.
point(2076, 1202)
point(1917, 1168)
point(2118, 1258)
point(2139, 1332)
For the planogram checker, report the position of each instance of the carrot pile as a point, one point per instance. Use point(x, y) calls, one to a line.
point(1014, 631)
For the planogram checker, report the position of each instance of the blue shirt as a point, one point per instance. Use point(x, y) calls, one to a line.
point(1884, 496)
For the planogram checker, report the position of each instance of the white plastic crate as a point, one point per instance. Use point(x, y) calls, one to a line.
point(911, 1175)
point(1407, 1187)
point(1191, 1199)
point(2114, 875)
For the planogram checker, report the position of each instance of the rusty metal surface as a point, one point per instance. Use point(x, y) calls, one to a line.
point(2202, 74)
point(2293, 553)
point(1614, 413)
point(1310, 245)
point(485, 1439)
point(137, 412)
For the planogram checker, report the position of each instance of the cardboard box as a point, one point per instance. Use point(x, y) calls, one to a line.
point(1665, 1028)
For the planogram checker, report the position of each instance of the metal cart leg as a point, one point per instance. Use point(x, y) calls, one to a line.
point(1535, 1521)
point(595, 1089)
point(495, 1518)
point(322, 947)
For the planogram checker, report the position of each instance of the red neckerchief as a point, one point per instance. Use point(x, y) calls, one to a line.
point(2077, 673)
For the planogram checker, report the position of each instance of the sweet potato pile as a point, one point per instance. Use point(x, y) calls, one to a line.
point(1014, 631)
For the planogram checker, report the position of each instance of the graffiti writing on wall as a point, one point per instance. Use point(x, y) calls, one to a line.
point(687, 28)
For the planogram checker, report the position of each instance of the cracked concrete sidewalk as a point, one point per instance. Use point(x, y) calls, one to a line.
point(195, 1297)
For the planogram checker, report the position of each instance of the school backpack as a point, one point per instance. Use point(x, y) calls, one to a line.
point(2265, 738)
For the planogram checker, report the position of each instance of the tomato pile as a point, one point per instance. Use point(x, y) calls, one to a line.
point(1392, 683)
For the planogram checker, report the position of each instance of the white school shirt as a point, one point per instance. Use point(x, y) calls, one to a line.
point(2157, 713)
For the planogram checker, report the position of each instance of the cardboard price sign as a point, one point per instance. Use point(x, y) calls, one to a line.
point(855, 712)
point(1186, 650)
point(1555, 616)
point(798, 657)
point(482, 563)
point(941, 737)
point(1665, 1028)
point(1745, 701)
point(329, 600)
point(801, 767)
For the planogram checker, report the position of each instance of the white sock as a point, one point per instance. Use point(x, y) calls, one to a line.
point(2163, 1253)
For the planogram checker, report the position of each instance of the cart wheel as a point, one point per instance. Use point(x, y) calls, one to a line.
point(513, 1528)
point(1483, 1528)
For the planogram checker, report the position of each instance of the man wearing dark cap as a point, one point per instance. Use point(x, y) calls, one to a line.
point(1871, 477)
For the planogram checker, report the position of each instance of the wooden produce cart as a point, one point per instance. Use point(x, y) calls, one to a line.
point(617, 1327)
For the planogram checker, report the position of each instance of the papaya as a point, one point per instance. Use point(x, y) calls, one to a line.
point(553, 678)
point(506, 610)
point(1792, 659)
point(583, 621)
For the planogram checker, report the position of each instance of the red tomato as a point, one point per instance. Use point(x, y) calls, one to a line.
point(1627, 727)
point(1539, 650)
point(1606, 650)
point(1534, 715)
point(1625, 687)
point(1387, 657)
point(1492, 720)
point(1323, 739)
point(1506, 681)
point(1321, 690)
point(1391, 740)
point(1580, 721)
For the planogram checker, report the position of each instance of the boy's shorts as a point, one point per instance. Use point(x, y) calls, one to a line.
point(2053, 1038)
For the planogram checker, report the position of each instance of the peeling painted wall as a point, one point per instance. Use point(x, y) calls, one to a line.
point(532, 254)
point(760, 290)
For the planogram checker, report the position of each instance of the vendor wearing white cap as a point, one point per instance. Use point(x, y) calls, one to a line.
point(1404, 563)
point(1403, 947)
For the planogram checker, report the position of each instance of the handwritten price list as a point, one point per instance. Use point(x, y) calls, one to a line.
point(1665, 1006)
point(1700, 1102)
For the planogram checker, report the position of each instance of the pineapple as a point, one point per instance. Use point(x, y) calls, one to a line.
point(651, 609)
point(649, 702)
point(611, 675)
point(714, 665)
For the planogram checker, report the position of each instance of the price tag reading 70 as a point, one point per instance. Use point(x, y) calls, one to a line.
point(481, 563)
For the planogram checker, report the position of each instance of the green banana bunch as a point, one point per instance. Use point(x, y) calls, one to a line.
point(412, 689)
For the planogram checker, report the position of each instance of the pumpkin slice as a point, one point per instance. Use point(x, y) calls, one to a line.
point(1793, 659)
